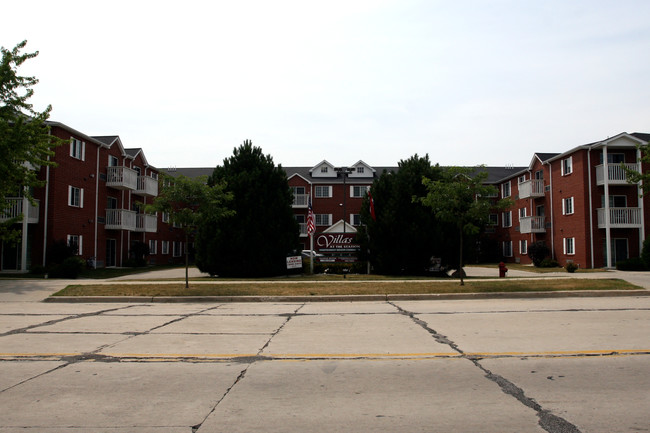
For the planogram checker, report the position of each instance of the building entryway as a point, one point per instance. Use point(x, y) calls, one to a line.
point(111, 252)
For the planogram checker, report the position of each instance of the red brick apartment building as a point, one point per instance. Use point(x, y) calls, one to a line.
point(577, 202)
point(94, 197)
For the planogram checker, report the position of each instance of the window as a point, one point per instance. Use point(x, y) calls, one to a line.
point(298, 190)
point(359, 191)
point(137, 170)
point(77, 149)
point(567, 166)
point(165, 247)
point(493, 219)
point(506, 217)
point(521, 179)
point(539, 210)
point(613, 158)
point(177, 249)
point(567, 206)
point(507, 249)
point(323, 169)
point(75, 196)
point(614, 201)
point(112, 161)
point(323, 219)
point(505, 190)
point(355, 219)
point(523, 247)
point(539, 174)
point(522, 212)
point(153, 247)
point(165, 217)
point(569, 246)
point(360, 170)
point(75, 242)
point(323, 191)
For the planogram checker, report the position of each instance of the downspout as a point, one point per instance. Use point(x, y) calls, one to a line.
point(608, 232)
point(96, 208)
point(591, 209)
point(640, 195)
point(550, 175)
point(25, 224)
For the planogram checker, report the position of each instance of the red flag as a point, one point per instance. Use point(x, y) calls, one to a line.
point(311, 227)
point(372, 207)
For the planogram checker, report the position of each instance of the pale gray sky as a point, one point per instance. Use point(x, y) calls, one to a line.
point(468, 82)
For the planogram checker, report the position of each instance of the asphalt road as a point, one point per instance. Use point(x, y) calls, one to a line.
point(526, 365)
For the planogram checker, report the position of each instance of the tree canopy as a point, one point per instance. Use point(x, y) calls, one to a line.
point(25, 143)
point(256, 241)
point(461, 197)
point(190, 204)
point(404, 235)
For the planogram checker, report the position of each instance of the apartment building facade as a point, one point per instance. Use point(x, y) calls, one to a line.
point(94, 199)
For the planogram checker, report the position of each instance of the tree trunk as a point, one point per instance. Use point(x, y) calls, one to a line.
point(187, 260)
point(460, 259)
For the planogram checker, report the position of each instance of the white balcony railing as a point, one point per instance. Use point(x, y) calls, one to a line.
point(617, 175)
point(120, 219)
point(531, 188)
point(121, 178)
point(300, 200)
point(15, 208)
point(146, 223)
point(620, 217)
point(147, 186)
point(532, 224)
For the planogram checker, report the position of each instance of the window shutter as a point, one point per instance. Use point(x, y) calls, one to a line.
point(81, 197)
point(80, 252)
point(351, 191)
point(69, 195)
point(83, 151)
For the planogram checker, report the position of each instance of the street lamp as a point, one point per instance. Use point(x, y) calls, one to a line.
point(344, 172)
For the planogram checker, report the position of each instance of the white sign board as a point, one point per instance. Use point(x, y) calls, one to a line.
point(294, 262)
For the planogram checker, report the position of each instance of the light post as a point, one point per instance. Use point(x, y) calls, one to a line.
point(344, 172)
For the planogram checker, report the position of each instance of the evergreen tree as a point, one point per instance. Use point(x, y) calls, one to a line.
point(256, 241)
point(404, 235)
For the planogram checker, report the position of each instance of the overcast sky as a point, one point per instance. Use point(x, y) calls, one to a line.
point(467, 82)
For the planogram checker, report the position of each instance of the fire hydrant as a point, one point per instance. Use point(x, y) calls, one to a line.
point(502, 270)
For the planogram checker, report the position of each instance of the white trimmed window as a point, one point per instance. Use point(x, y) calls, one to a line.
point(153, 247)
point(177, 249)
point(355, 219)
point(113, 161)
point(521, 179)
point(323, 191)
point(76, 242)
point(323, 219)
point(360, 169)
point(505, 189)
point(522, 213)
point(569, 246)
point(165, 217)
point(507, 249)
point(506, 217)
point(75, 196)
point(567, 166)
point(359, 191)
point(77, 149)
point(493, 219)
point(567, 206)
point(164, 247)
point(523, 247)
point(323, 169)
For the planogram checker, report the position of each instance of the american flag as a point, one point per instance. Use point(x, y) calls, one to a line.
point(311, 227)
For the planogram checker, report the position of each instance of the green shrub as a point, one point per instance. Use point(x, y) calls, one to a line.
point(634, 264)
point(645, 253)
point(38, 270)
point(571, 267)
point(538, 252)
point(69, 268)
point(549, 263)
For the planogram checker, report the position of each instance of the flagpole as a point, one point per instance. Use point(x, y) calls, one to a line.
point(311, 251)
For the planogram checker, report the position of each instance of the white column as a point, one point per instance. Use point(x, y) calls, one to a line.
point(608, 233)
point(23, 247)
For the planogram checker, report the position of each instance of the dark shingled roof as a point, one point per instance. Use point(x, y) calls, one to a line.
point(133, 151)
point(106, 139)
point(642, 135)
point(546, 156)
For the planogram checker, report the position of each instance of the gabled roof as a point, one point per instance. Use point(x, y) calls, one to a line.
point(337, 227)
point(107, 139)
point(77, 133)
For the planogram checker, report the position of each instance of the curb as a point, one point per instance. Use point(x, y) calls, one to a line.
point(347, 298)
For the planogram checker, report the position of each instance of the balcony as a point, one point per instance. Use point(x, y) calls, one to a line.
point(620, 218)
point(146, 223)
point(120, 219)
point(121, 178)
point(300, 200)
point(147, 186)
point(616, 176)
point(532, 224)
point(531, 188)
point(14, 209)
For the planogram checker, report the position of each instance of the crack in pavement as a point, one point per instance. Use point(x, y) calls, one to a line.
point(249, 361)
point(548, 421)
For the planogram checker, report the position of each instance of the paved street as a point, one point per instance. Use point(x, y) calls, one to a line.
point(526, 365)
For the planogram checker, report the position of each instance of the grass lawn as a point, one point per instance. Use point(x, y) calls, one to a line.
point(342, 287)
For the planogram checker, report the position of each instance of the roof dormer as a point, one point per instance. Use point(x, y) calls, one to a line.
point(323, 169)
point(361, 170)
